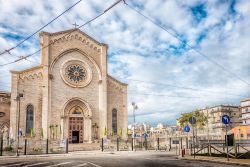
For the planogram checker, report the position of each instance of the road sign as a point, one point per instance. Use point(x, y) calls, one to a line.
point(134, 135)
point(186, 128)
point(105, 141)
point(145, 135)
point(192, 120)
point(62, 143)
point(225, 119)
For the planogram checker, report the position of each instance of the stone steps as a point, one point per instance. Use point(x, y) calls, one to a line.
point(84, 147)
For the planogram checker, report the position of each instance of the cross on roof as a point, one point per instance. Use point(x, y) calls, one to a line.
point(76, 25)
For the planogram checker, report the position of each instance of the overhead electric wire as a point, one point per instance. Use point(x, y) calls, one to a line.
point(20, 43)
point(130, 91)
point(182, 87)
point(99, 15)
point(159, 83)
point(134, 92)
point(186, 43)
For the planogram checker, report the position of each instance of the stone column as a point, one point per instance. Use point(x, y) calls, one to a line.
point(125, 111)
point(103, 93)
point(62, 128)
point(66, 127)
point(44, 38)
point(90, 129)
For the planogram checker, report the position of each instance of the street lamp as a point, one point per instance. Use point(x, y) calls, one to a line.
point(135, 107)
point(18, 98)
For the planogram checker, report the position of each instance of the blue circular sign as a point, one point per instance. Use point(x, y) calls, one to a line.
point(225, 119)
point(186, 128)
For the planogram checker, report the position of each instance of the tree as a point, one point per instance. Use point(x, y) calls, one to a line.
point(201, 119)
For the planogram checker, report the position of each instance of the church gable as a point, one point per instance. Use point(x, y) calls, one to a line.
point(63, 41)
point(75, 34)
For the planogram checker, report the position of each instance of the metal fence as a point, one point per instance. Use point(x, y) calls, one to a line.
point(32, 147)
point(239, 148)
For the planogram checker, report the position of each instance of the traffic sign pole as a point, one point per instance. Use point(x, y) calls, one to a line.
point(225, 119)
point(193, 142)
point(227, 143)
point(192, 121)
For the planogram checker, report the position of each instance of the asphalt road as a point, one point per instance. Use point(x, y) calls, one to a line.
point(119, 159)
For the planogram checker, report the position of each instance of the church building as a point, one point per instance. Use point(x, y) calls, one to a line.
point(70, 93)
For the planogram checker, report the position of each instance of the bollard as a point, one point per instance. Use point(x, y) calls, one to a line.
point(67, 146)
point(102, 145)
point(1, 147)
point(25, 147)
point(47, 146)
point(117, 144)
point(170, 143)
point(181, 142)
point(186, 143)
point(132, 144)
point(158, 143)
point(191, 148)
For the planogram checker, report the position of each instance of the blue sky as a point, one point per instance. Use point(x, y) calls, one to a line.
point(155, 64)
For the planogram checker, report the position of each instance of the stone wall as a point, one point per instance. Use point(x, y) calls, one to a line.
point(117, 99)
point(4, 115)
point(30, 85)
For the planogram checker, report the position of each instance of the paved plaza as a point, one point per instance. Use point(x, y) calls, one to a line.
point(108, 159)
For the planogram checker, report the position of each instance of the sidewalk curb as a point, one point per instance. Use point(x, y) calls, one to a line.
point(220, 162)
point(75, 153)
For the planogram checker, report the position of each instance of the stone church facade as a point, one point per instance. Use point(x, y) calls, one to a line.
point(70, 94)
point(4, 116)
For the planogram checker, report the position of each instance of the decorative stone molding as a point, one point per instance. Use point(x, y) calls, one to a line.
point(74, 50)
point(32, 73)
point(116, 84)
point(5, 97)
point(76, 102)
point(76, 34)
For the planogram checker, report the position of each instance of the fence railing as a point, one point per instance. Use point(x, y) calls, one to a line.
point(239, 149)
point(32, 147)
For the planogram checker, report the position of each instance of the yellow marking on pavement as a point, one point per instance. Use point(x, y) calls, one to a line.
point(94, 164)
point(36, 164)
point(63, 163)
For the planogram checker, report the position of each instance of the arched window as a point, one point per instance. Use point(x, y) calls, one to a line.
point(114, 121)
point(29, 118)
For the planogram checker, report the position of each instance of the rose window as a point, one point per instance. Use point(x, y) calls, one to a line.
point(76, 73)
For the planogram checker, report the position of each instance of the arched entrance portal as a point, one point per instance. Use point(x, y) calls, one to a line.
point(77, 121)
point(76, 126)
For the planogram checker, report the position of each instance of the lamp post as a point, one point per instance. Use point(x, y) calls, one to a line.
point(135, 107)
point(18, 99)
